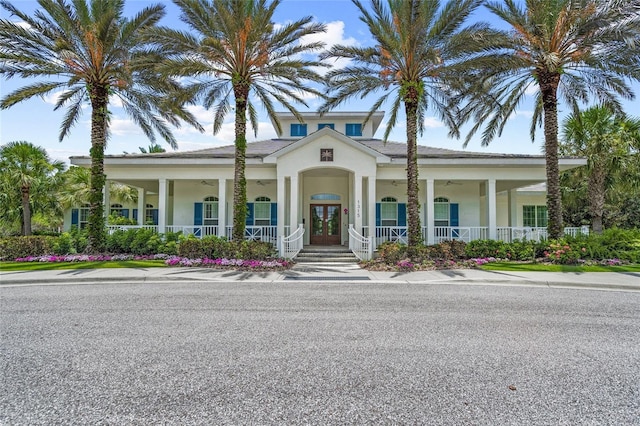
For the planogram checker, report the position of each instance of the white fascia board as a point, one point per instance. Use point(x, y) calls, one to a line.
point(567, 163)
point(165, 162)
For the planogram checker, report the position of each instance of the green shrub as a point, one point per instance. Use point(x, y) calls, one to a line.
point(392, 252)
point(213, 247)
point(15, 247)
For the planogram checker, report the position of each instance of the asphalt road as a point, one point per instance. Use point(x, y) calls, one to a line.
point(330, 353)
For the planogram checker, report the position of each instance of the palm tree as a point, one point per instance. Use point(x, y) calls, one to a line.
point(570, 50)
point(237, 52)
point(25, 170)
point(89, 52)
point(607, 141)
point(419, 46)
point(154, 148)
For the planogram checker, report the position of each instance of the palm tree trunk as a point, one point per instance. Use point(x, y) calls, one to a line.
point(549, 88)
point(241, 92)
point(413, 212)
point(26, 211)
point(99, 116)
point(597, 197)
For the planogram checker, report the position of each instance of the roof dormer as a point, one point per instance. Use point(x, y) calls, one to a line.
point(347, 123)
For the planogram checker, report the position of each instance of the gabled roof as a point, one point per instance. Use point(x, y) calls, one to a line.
point(262, 149)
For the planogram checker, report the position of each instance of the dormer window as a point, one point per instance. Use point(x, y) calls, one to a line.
point(353, 129)
point(298, 130)
point(329, 125)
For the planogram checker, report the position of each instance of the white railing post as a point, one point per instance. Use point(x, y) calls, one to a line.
point(291, 245)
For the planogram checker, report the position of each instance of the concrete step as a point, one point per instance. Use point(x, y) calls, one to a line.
point(325, 259)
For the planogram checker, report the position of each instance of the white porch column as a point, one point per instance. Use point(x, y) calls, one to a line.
point(491, 208)
point(282, 199)
point(293, 221)
point(371, 208)
point(163, 204)
point(430, 212)
point(142, 207)
point(357, 189)
point(513, 208)
point(107, 199)
point(222, 207)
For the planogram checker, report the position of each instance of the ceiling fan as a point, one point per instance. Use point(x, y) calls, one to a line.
point(450, 182)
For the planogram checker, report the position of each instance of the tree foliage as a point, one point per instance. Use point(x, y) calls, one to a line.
point(237, 55)
point(28, 181)
point(86, 51)
point(571, 50)
point(610, 142)
point(419, 47)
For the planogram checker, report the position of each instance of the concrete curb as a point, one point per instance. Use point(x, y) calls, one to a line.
point(301, 279)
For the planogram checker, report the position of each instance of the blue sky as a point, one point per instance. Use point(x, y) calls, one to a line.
point(36, 122)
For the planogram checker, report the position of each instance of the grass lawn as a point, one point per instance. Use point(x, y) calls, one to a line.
point(50, 266)
point(541, 267)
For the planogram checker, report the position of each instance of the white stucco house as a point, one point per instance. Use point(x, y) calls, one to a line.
point(329, 181)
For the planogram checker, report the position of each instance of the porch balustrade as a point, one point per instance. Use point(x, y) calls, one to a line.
point(113, 228)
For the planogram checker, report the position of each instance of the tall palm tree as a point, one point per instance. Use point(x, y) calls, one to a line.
point(236, 52)
point(87, 51)
point(419, 46)
point(571, 50)
point(27, 169)
point(607, 141)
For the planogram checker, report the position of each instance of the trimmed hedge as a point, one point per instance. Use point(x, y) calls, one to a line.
point(213, 247)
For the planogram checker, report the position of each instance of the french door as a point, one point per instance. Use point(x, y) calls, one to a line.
point(325, 224)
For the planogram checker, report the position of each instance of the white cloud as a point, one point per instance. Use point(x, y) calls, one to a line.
point(52, 98)
point(201, 114)
point(333, 36)
point(123, 127)
point(432, 123)
point(531, 90)
point(521, 113)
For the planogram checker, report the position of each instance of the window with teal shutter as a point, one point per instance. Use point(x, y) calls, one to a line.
point(298, 129)
point(249, 221)
point(274, 214)
point(353, 129)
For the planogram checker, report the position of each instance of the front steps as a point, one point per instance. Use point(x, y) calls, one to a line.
point(326, 258)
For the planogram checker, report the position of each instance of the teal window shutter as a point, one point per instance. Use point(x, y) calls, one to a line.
point(197, 214)
point(154, 216)
point(74, 217)
point(402, 214)
point(125, 213)
point(135, 214)
point(274, 214)
point(249, 221)
point(454, 214)
point(378, 214)
point(353, 129)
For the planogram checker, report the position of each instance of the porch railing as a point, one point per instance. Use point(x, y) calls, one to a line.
point(113, 228)
point(291, 245)
point(258, 233)
point(198, 231)
point(361, 246)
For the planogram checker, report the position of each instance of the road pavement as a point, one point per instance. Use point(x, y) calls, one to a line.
point(188, 351)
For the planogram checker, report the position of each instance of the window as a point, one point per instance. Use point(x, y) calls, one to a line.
point(83, 216)
point(116, 210)
point(535, 216)
point(262, 211)
point(323, 125)
point(148, 214)
point(353, 129)
point(389, 211)
point(441, 211)
point(331, 197)
point(210, 211)
point(298, 130)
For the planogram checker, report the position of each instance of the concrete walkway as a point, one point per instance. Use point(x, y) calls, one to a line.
point(593, 280)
